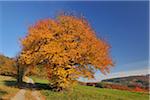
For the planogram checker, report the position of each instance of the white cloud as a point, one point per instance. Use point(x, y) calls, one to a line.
point(100, 77)
point(128, 73)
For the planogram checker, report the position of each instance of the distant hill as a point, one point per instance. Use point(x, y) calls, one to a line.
point(131, 81)
point(7, 65)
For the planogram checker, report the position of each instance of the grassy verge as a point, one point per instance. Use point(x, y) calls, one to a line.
point(90, 93)
point(7, 87)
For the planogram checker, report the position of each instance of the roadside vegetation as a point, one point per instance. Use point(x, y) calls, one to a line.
point(7, 87)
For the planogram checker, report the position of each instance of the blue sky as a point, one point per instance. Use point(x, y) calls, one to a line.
point(124, 24)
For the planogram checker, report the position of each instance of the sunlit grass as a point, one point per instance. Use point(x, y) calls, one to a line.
point(39, 80)
point(7, 89)
point(91, 93)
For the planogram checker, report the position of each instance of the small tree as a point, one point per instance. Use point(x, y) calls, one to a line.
point(67, 47)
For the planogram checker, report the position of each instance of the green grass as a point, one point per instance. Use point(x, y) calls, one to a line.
point(39, 80)
point(91, 93)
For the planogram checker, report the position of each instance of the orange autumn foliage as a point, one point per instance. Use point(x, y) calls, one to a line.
point(67, 47)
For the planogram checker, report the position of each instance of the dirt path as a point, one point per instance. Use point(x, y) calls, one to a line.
point(36, 95)
point(21, 94)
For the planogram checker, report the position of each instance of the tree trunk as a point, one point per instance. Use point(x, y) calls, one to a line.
point(20, 73)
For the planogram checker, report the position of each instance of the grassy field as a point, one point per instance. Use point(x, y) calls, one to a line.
point(79, 92)
point(7, 89)
point(91, 93)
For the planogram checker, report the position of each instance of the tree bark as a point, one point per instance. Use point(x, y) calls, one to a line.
point(20, 73)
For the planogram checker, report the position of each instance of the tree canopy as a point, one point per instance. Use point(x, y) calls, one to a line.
point(67, 47)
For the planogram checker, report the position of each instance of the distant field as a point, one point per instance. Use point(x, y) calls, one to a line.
point(91, 93)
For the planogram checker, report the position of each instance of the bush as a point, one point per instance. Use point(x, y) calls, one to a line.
point(100, 85)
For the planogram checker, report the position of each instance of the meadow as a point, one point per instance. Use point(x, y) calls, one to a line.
point(91, 93)
point(8, 90)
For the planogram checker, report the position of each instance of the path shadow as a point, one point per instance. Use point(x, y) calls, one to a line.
point(10, 83)
point(35, 86)
point(41, 86)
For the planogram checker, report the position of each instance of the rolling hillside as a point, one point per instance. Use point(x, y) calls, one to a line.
point(131, 81)
point(7, 66)
point(81, 92)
